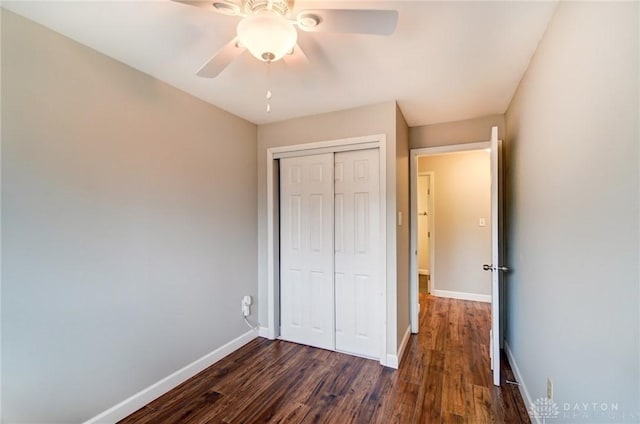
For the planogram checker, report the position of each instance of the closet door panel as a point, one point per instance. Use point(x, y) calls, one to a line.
point(306, 250)
point(357, 248)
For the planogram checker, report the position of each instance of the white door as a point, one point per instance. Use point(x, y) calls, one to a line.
point(357, 244)
point(306, 250)
point(497, 268)
point(423, 224)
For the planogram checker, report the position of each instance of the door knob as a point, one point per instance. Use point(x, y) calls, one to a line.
point(487, 267)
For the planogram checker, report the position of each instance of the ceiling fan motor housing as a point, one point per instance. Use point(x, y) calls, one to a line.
point(283, 7)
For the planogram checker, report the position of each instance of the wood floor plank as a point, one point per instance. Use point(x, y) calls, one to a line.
point(431, 411)
point(482, 404)
point(449, 418)
point(382, 392)
point(413, 369)
point(354, 406)
point(443, 378)
point(402, 408)
point(457, 396)
point(259, 395)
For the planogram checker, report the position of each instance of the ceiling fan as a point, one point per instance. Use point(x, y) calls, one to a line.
point(268, 28)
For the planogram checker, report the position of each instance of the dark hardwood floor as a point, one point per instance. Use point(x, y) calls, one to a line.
point(444, 377)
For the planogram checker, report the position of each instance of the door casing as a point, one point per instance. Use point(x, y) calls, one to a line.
point(431, 212)
point(496, 307)
point(414, 306)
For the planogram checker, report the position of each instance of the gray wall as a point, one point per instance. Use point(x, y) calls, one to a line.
point(461, 196)
point(456, 132)
point(367, 120)
point(128, 230)
point(402, 238)
point(573, 211)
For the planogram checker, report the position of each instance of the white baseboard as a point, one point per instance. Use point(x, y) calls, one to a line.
point(393, 361)
point(423, 271)
point(143, 397)
point(403, 344)
point(522, 386)
point(264, 332)
point(462, 296)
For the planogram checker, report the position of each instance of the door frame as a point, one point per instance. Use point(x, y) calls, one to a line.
point(430, 219)
point(377, 141)
point(497, 254)
point(414, 305)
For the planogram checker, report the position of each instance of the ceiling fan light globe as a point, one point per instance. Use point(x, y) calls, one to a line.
point(267, 35)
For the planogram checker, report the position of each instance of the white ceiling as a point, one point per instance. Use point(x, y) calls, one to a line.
point(446, 61)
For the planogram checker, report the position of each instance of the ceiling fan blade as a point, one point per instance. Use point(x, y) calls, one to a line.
point(200, 4)
point(297, 58)
point(225, 7)
point(376, 22)
point(221, 60)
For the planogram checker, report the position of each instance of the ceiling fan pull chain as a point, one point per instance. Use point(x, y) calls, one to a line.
point(268, 96)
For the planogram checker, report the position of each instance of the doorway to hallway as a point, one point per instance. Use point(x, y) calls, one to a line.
point(465, 236)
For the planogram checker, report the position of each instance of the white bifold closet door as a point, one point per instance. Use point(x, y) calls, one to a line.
point(329, 251)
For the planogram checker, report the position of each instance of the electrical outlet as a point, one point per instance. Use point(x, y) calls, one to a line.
point(246, 306)
point(549, 388)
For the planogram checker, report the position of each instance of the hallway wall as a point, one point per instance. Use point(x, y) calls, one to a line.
point(462, 195)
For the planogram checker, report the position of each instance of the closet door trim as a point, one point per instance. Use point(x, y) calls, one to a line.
point(378, 141)
point(319, 151)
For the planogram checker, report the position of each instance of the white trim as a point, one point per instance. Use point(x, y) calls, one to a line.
point(414, 281)
point(143, 397)
point(521, 386)
point(496, 275)
point(391, 361)
point(432, 239)
point(414, 306)
point(432, 230)
point(352, 141)
point(384, 248)
point(404, 343)
point(331, 149)
point(394, 360)
point(462, 296)
point(453, 148)
point(378, 141)
point(271, 297)
point(263, 332)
